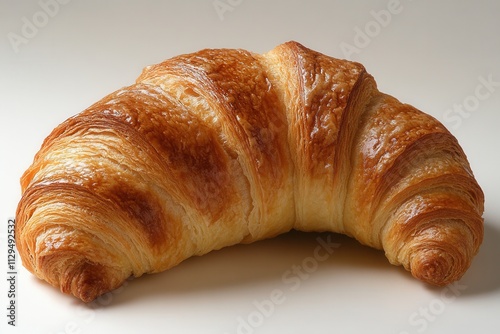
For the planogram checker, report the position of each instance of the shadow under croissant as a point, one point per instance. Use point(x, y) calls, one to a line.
point(269, 261)
point(484, 274)
point(279, 262)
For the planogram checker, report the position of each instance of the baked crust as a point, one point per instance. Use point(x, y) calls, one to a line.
point(225, 146)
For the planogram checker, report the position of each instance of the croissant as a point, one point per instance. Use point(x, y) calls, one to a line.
point(226, 146)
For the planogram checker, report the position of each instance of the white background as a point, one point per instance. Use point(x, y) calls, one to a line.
point(435, 55)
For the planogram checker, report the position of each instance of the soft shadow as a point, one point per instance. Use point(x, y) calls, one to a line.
point(263, 262)
point(483, 275)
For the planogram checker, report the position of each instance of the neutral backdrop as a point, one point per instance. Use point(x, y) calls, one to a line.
point(59, 57)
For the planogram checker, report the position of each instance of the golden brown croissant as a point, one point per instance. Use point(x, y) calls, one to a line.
point(225, 146)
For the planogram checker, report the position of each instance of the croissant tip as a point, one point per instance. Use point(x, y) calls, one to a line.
point(438, 269)
point(89, 282)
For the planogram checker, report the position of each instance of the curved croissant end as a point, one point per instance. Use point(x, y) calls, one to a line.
point(220, 147)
